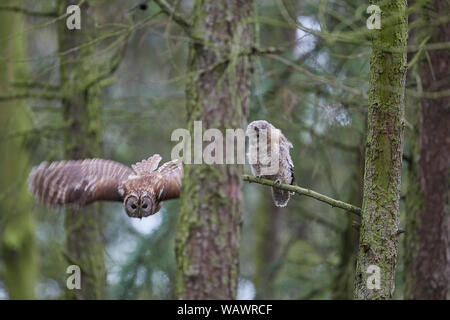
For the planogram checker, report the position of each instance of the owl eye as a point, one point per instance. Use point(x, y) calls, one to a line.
point(146, 206)
point(131, 206)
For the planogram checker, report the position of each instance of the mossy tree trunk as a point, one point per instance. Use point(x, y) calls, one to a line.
point(427, 268)
point(17, 228)
point(83, 139)
point(208, 231)
point(378, 244)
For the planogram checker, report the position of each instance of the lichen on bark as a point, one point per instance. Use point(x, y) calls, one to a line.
point(17, 226)
point(378, 243)
point(208, 231)
point(82, 139)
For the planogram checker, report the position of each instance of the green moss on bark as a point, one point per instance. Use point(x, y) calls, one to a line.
point(208, 232)
point(83, 139)
point(17, 228)
point(382, 176)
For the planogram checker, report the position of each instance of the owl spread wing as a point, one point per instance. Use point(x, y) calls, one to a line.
point(77, 182)
point(147, 166)
point(168, 183)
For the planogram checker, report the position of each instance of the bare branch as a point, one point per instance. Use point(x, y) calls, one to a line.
point(431, 46)
point(111, 67)
point(305, 192)
point(428, 95)
point(51, 14)
point(36, 85)
point(171, 12)
point(322, 79)
point(31, 95)
point(34, 131)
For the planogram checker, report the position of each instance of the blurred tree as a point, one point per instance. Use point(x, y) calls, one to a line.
point(17, 246)
point(378, 244)
point(267, 247)
point(427, 274)
point(82, 139)
point(217, 93)
point(344, 281)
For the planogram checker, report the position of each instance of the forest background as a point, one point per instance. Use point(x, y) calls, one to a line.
point(117, 89)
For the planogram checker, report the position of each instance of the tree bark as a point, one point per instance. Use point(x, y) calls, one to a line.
point(208, 231)
point(427, 267)
point(83, 139)
point(378, 243)
point(17, 242)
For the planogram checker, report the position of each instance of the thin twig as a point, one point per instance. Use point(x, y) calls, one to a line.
point(171, 12)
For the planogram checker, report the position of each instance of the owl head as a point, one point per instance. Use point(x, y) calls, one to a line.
point(258, 125)
point(139, 204)
point(262, 128)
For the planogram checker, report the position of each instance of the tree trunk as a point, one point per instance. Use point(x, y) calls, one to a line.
point(427, 271)
point(84, 227)
point(208, 232)
point(378, 245)
point(17, 247)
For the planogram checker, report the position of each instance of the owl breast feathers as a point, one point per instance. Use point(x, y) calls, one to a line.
point(281, 146)
point(81, 182)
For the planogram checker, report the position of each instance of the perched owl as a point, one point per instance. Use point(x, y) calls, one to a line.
point(81, 182)
point(285, 168)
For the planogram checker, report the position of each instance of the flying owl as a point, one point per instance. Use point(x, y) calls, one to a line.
point(81, 182)
point(285, 168)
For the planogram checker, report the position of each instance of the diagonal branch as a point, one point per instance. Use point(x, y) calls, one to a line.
point(36, 85)
point(31, 95)
point(305, 192)
point(171, 12)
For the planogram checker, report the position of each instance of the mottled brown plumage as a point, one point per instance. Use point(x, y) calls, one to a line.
point(81, 182)
point(285, 172)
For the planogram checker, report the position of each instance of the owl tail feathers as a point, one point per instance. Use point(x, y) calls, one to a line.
point(280, 197)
